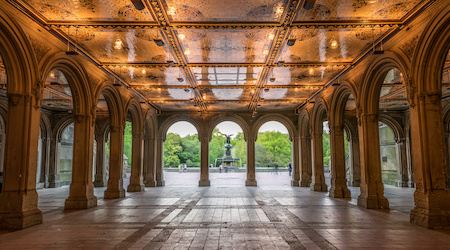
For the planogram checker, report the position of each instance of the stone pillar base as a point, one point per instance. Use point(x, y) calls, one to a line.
point(373, 202)
point(340, 192)
point(150, 183)
point(295, 183)
point(100, 183)
point(251, 183)
point(135, 188)
point(432, 219)
point(319, 187)
point(305, 183)
point(204, 183)
point(411, 184)
point(114, 194)
point(402, 184)
point(80, 203)
point(356, 183)
point(54, 184)
point(160, 183)
point(18, 221)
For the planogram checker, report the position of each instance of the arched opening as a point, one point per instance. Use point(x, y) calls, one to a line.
point(228, 158)
point(57, 103)
point(182, 155)
point(66, 155)
point(273, 155)
point(101, 143)
point(389, 155)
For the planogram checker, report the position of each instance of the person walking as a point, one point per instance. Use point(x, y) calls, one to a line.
point(185, 168)
point(179, 168)
point(290, 168)
point(220, 169)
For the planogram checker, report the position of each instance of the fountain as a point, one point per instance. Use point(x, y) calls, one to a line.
point(228, 162)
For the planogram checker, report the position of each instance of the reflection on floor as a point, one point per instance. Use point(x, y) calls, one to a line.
point(181, 215)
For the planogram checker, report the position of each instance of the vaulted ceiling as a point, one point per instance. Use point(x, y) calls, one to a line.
point(226, 54)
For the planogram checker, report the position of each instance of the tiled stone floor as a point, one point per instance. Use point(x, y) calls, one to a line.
point(226, 215)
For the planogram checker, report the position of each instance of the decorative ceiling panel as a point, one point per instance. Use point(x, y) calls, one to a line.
point(176, 106)
point(266, 106)
point(226, 46)
point(330, 45)
point(303, 75)
point(90, 10)
point(161, 94)
point(150, 75)
point(227, 94)
point(121, 45)
point(225, 10)
point(285, 93)
point(226, 75)
point(357, 10)
point(227, 106)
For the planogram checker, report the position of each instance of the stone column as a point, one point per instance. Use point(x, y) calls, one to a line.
point(338, 174)
point(356, 167)
point(44, 160)
point(137, 177)
point(115, 183)
point(318, 177)
point(149, 161)
point(431, 198)
point(159, 162)
point(82, 189)
point(295, 162)
point(19, 199)
point(100, 168)
point(401, 159)
point(305, 177)
point(204, 166)
point(53, 166)
point(372, 190)
point(409, 159)
point(251, 181)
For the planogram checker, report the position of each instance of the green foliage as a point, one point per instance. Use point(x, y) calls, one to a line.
point(326, 148)
point(127, 141)
point(273, 148)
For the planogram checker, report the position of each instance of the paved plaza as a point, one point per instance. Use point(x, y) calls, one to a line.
point(226, 215)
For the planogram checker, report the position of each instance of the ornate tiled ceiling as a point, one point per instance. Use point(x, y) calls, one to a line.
point(225, 54)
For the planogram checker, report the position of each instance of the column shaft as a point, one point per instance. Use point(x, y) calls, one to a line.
point(137, 177)
point(100, 168)
point(82, 188)
point(431, 198)
point(338, 179)
point(251, 181)
point(53, 166)
point(19, 199)
point(318, 177)
point(296, 162)
point(159, 162)
point(305, 177)
point(372, 190)
point(149, 162)
point(204, 165)
point(115, 182)
point(356, 166)
point(402, 162)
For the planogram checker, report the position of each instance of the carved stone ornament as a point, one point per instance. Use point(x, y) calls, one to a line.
point(411, 90)
point(409, 46)
point(40, 49)
point(14, 99)
point(38, 91)
point(358, 114)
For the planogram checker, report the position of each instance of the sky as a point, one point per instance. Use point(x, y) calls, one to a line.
point(185, 128)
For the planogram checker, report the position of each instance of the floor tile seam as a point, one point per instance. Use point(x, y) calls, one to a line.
point(289, 237)
point(195, 197)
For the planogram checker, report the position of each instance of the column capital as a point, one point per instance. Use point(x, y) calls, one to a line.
point(116, 128)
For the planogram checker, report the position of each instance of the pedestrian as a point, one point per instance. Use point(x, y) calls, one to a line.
point(276, 169)
point(179, 168)
point(220, 169)
point(185, 168)
point(290, 168)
